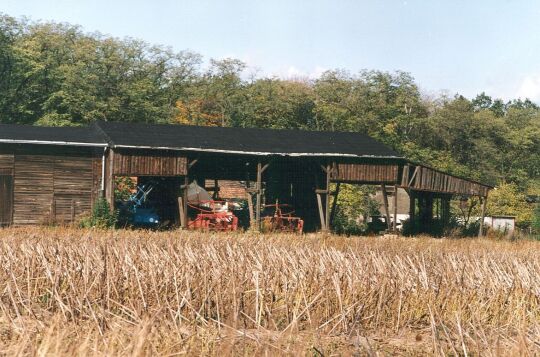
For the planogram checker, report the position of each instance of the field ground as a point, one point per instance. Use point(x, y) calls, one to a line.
point(67, 291)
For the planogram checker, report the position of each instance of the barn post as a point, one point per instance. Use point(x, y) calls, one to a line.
point(109, 190)
point(334, 203)
point(394, 227)
point(258, 188)
point(483, 215)
point(327, 198)
point(184, 203)
point(386, 209)
point(412, 211)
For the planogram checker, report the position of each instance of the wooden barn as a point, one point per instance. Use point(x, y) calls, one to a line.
point(56, 174)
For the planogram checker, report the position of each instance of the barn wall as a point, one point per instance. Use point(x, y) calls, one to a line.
point(426, 179)
point(148, 163)
point(54, 188)
point(365, 173)
point(6, 188)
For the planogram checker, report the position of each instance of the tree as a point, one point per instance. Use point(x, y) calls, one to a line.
point(507, 199)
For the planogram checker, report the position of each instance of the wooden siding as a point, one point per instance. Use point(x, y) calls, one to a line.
point(33, 189)
point(6, 199)
point(145, 164)
point(426, 179)
point(6, 164)
point(368, 173)
point(52, 188)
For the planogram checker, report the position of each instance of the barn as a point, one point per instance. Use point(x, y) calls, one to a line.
point(57, 174)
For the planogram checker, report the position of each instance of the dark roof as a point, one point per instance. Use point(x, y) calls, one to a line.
point(198, 138)
point(77, 136)
point(243, 140)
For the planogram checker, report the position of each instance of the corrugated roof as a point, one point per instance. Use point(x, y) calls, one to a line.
point(244, 140)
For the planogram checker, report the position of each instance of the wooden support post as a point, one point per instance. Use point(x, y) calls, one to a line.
point(259, 195)
point(250, 208)
point(483, 215)
point(184, 202)
point(334, 203)
point(181, 211)
point(110, 180)
point(327, 199)
point(412, 211)
point(215, 195)
point(321, 212)
point(394, 226)
point(386, 209)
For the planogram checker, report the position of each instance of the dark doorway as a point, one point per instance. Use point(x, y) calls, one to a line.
point(6, 199)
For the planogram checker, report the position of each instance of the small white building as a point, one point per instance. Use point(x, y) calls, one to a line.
point(505, 224)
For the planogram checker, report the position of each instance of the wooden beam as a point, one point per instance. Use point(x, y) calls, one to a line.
point(483, 215)
point(412, 211)
point(334, 203)
point(386, 209)
point(258, 204)
point(321, 212)
point(251, 213)
point(394, 227)
point(414, 175)
point(215, 194)
point(110, 180)
point(327, 198)
point(181, 211)
point(184, 222)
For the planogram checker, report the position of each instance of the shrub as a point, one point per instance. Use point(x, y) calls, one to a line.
point(101, 217)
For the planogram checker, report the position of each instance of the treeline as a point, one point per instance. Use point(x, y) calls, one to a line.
point(56, 74)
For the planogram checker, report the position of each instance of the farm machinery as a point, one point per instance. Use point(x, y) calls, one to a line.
point(280, 217)
point(214, 216)
point(139, 212)
point(210, 214)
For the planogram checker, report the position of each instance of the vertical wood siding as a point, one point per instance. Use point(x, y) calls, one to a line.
point(53, 188)
point(365, 173)
point(6, 199)
point(146, 164)
point(426, 179)
point(33, 189)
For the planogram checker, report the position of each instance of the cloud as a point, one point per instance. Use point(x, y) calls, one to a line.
point(530, 88)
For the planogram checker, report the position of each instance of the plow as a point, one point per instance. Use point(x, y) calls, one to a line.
point(281, 218)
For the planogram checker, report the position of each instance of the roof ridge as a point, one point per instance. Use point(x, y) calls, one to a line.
point(96, 126)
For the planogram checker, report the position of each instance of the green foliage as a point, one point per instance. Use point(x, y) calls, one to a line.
point(507, 199)
point(536, 221)
point(355, 204)
point(101, 217)
point(123, 188)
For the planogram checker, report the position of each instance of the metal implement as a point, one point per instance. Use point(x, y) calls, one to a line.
point(213, 216)
point(281, 219)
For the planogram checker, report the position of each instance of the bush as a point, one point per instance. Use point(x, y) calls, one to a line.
point(101, 216)
point(536, 221)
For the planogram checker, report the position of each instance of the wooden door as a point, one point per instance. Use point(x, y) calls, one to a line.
point(6, 199)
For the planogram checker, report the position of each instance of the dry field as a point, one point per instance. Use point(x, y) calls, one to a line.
point(79, 292)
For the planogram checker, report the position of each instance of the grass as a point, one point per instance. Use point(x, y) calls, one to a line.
point(83, 292)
